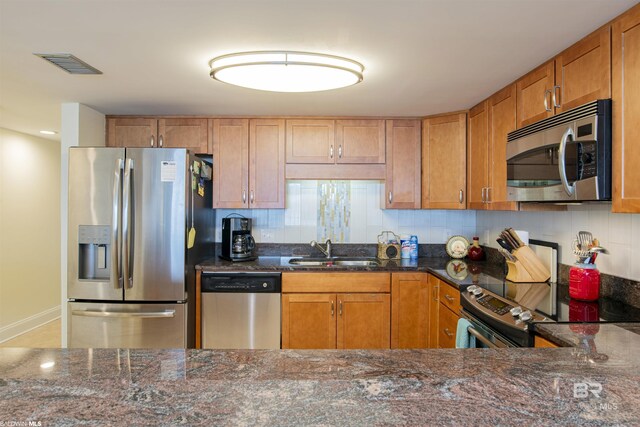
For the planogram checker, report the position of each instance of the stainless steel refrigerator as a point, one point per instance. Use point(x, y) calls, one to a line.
point(131, 276)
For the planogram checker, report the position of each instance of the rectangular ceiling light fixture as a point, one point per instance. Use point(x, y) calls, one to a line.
point(69, 63)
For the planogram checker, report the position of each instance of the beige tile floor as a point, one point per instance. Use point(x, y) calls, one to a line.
point(46, 336)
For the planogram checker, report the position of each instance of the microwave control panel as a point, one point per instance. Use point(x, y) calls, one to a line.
point(587, 159)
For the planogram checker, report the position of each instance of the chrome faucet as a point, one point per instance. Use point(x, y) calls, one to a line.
point(326, 252)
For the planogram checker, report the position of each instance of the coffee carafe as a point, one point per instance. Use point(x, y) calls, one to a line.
point(237, 242)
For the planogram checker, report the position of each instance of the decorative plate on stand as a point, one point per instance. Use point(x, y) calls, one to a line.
point(457, 247)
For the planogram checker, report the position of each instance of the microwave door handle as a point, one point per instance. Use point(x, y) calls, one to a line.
point(116, 266)
point(126, 223)
point(562, 167)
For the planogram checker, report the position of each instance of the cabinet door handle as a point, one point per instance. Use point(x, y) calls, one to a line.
point(244, 196)
point(461, 196)
point(449, 334)
point(449, 298)
point(340, 308)
point(390, 197)
point(153, 140)
point(488, 194)
point(556, 96)
point(332, 310)
point(340, 151)
point(160, 141)
point(483, 196)
point(435, 292)
point(251, 197)
point(547, 94)
point(331, 151)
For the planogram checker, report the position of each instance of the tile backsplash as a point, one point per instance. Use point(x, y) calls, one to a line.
point(347, 212)
point(619, 233)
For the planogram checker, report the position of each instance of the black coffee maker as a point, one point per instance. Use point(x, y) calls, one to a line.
point(237, 241)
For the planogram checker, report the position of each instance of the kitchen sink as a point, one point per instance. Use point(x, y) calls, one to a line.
point(335, 261)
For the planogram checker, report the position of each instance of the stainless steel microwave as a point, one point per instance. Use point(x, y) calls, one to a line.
point(564, 158)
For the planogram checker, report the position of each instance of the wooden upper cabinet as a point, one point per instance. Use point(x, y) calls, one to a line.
point(266, 163)
point(141, 132)
point(403, 174)
point(363, 321)
point(310, 141)
point(478, 156)
point(230, 142)
point(502, 120)
point(132, 132)
point(444, 165)
point(534, 95)
point(626, 111)
point(410, 301)
point(184, 133)
point(360, 141)
point(309, 321)
point(583, 71)
point(580, 74)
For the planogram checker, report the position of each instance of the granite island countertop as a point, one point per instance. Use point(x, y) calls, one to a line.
point(329, 387)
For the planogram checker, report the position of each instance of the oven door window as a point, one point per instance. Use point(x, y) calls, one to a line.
point(539, 167)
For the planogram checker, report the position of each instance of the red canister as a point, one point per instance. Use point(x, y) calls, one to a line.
point(584, 282)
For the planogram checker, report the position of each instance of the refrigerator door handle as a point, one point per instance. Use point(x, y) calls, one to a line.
point(149, 315)
point(126, 224)
point(116, 265)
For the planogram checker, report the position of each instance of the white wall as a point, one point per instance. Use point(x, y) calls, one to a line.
point(619, 233)
point(81, 126)
point(29, 232)
point(299, 222)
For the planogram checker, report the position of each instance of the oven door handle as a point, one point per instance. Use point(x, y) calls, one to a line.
point(481, 338)
point(562, 167)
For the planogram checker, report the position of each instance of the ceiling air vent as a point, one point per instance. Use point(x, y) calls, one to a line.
point(69, 63)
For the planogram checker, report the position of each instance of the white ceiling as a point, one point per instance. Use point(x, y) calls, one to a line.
point(421, 56)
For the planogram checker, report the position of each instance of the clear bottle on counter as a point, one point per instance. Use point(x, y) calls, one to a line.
point(413, 244)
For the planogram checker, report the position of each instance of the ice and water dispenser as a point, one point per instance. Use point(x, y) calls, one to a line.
point(94, 252)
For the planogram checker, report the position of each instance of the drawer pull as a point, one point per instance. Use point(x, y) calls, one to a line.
point(449, 298)
point(448, 333)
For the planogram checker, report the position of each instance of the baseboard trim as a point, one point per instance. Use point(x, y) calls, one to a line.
point(25, 325)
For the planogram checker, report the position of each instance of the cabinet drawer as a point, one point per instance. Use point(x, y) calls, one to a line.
point(448, 323)
point(336, 282)
point(449, 297)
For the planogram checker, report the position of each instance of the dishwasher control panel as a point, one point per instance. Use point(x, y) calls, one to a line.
point(241, 282)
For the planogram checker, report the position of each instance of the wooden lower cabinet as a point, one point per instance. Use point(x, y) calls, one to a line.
point(540, 342)
point(443, 319)
point(447, 325)
point(434, 310)
point(309, 321)
point(410, 310)
point(363, 321)
point(329, 321)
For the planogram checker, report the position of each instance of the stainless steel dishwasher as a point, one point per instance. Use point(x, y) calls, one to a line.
point(241, 310)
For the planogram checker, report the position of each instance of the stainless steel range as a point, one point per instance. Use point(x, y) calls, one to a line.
point(501, 312)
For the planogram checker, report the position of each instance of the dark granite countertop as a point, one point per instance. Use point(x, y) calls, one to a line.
point(330, 387)
point(594, 338)
point(436, 266)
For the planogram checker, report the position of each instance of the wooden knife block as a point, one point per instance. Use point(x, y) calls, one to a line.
point(527, 267)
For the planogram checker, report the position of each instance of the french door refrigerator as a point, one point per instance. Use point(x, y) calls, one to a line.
point(131, 276)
